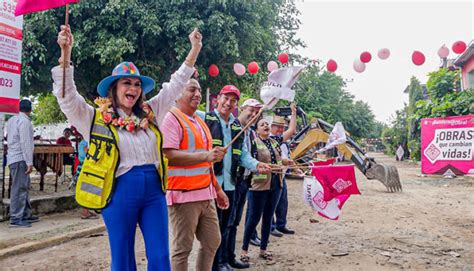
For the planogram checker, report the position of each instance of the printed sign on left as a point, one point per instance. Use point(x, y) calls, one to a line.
point(11, 37)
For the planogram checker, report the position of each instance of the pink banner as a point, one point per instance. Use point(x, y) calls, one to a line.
point(447, 144)
point(29, 6)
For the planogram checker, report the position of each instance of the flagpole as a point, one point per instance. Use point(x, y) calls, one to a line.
point(259, 113)
point(66, 23)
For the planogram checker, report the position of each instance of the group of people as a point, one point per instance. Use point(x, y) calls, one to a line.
point(162, 159)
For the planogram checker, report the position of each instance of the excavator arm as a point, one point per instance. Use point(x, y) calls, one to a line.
point(313, 134)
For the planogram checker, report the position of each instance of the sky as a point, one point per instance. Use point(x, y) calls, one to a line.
point(342, 30)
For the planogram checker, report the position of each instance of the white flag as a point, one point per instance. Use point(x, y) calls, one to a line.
point(279, 85)
point(337, 136)
point(313, 194)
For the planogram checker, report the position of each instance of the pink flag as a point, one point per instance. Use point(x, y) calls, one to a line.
point(29, 6)
point(314, 197)
point(336, 180)
point(328, 162)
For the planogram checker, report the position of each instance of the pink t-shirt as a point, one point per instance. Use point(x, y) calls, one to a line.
point(172, 136)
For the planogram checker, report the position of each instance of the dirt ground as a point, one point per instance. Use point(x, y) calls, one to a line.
point(429, 226)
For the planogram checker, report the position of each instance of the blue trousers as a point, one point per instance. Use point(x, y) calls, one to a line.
point(281, 209)
point(138, 199)
point(262, 205)
point(224, 220)
point(240, 196)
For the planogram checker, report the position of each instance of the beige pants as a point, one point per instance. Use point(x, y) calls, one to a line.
point(189, 219)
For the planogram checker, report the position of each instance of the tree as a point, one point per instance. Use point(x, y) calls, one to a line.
point(322, 95)
point(153, 34)
point(47, 110)
point(415, 94)
point(396, 134)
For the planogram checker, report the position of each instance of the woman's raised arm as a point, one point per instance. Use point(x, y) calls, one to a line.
point(162, 102)
point(73, 105)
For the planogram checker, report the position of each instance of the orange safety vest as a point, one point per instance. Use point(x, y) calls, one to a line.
point(196, 176)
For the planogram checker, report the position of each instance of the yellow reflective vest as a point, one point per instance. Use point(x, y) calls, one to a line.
point(96, 181)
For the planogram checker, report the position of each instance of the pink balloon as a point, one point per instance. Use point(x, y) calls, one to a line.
point(331, 65)
point(239, 69)
point(443, 51)
point(365, 57)
point(358, 65)
point(272, 65)
point(418, 58)
point(383, 53)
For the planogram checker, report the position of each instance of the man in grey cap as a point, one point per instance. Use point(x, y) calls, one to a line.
point(20, 161)
point(248, 110)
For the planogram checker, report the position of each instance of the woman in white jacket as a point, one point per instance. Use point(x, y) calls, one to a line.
point(124, 132)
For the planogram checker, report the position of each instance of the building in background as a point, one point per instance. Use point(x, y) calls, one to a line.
point(465, 62)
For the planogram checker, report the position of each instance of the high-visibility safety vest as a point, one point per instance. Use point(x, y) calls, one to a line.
point(96, 181)
point(197, 176)
point(214, 124)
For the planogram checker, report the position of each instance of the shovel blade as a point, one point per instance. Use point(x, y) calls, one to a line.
point(387, 175)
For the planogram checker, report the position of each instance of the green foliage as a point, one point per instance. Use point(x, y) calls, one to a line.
point(415, 94)
point(445, 100)
point(47, 110)
point(452, 104)
point(377, 129)
point(442, 82)
point(322, 95)
point(154, 35)
point(396, 134)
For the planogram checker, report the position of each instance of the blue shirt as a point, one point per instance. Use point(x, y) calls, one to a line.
point(81, 153)
point(246, 160)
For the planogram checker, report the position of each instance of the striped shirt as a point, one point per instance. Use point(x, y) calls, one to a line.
point(20, 139)
point(137, 148)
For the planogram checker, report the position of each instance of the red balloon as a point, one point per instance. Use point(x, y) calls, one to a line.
point(459, 47)
point(213, 70)
point(283, 58)
point(253, 67)
point(418, 58)
point(365, 57)
point(331, 65)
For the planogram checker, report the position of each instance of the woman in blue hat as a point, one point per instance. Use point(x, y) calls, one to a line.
point(124, 173)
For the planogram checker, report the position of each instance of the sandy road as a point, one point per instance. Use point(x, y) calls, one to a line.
point(430, 225)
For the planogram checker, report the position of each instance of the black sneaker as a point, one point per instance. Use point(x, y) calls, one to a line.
point(276, 233)
point(32, 219)
point(237, 264)
point(20, 224)
point(285, 230)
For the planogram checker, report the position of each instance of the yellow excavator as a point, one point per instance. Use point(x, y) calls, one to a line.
point(312, 136)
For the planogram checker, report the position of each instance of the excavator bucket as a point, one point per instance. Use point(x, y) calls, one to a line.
point(387, 175)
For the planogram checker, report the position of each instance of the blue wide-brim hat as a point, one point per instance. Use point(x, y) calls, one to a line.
point(125, 69)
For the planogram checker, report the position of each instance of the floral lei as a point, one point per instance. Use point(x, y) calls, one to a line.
point(129, 123)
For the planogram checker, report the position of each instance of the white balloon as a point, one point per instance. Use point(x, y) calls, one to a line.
point(443, 51)
point(383, 53)
point(358, 65)
point(239, 69)
point(272, 65)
